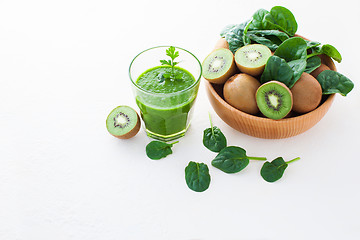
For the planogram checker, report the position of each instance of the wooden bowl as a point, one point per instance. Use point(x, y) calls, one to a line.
point(263, 127)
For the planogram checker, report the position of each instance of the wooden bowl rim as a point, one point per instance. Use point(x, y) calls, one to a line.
point(325, 104)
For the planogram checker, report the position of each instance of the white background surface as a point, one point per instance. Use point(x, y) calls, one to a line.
point(64, 67)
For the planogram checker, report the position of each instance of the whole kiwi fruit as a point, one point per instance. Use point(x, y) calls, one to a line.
point(307, 93)
point(317, 71)
point(239, 92)
point(221, 43)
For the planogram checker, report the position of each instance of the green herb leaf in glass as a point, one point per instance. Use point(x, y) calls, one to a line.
point(273, 171)
point(172, 53)
point(213, 138)
point(197, 176)
point(156, 150)
point(233, 159)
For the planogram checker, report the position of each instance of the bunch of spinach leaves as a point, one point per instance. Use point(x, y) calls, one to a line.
point(292, 55)
point(288, 62)
point(267, 28)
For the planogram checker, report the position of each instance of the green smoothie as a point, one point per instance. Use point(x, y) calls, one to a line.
point(166, 109)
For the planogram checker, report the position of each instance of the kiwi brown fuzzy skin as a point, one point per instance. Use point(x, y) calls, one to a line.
point(222, 79)
point(221, 43)
point(317, 71)
point(239, 92)
point(307, 94)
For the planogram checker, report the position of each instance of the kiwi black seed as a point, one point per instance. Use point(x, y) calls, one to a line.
point(274, 99)
point(252, 58)
point(219, 66)
point(123, 122)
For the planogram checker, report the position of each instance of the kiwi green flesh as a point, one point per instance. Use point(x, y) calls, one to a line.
point(274, 100)
point(123, 122)
point(217, 63)
point(252, 55)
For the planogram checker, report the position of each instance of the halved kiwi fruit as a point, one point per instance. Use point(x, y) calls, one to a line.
point(252, 58)
point(219, 66)
point(123, 122)
point(274, 99)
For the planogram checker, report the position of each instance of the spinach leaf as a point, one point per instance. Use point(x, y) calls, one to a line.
point(298, 67)
point(288, 62)
point(332, 52)
point(312, 63)
point(232, 159)
point(276, 68)
point(226, 29)
point(270, 38)
point(273, 171)
point(279, 18)
point(258, 20)
point(282, 18)
point(213, 138)
point(235, 36)
point(156, 150)
point(334, 82)
point(197, 176)
point(327, 49)
point(311, 44)
point(292, 49)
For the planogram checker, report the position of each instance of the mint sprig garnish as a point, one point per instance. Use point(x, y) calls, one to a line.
point(172, 53)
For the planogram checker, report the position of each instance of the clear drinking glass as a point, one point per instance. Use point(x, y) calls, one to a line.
point(166, 115)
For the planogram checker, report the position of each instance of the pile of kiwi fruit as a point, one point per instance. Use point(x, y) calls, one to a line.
point(237, 75)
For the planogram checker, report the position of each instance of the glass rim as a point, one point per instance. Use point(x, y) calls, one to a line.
point(173, 93)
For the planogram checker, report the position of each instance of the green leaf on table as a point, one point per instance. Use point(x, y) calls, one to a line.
point(213, 138)
point(274, 170)
point(197, 176)
point(232, 159)
point(156, 150)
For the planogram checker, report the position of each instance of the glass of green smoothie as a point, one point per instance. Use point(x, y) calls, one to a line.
point(165, 82)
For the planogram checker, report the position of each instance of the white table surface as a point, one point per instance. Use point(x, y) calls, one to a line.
point(64, 67)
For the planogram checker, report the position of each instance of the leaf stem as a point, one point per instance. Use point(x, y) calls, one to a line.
point(312, 55)
point(293, 160)
point(257, 158)
point(211, 124)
